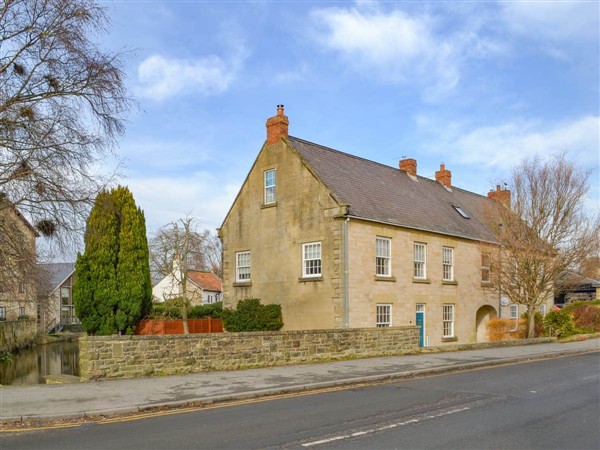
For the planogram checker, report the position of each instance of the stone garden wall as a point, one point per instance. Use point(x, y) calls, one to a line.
point(16, 334)
point(134, 356)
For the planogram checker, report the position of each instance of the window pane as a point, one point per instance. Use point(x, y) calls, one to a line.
point(243, 266)
point(311, 259)
point(419, 260)
point(384, 315)
point(383, 256)
point(270, 186)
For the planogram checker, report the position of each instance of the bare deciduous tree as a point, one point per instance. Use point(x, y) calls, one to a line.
point(62, 107)
point(175, 249)
point(545, 231)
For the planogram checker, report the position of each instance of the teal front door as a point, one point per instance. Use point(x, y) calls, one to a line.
point(420, 321)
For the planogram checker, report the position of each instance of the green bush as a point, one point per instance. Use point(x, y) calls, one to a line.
point(169, 309)
point(250, 315)
point(586, 315)
point(538, 320)
point(562, 323)
point(213, 310)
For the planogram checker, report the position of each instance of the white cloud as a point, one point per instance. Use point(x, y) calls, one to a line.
point(555, 21)
point(506, 144)
point(160, 77)
point(400, 48)
point(165, 199)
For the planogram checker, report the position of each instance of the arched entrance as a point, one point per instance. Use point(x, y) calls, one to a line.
point(484, 314)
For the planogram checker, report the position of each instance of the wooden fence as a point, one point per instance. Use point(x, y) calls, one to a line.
point(176, 326)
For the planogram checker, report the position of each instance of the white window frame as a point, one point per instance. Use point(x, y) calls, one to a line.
point(448, 320)
point(243, 267)
point(312, 263)
point(383, 261)
point(543, 311)
point(420, 261)
point(447, 263)
point(21, 287)
point(383, 315)
point(513, 311)
point(21, 311)
point(270, 195)
point(486, 267)
point(2, 312)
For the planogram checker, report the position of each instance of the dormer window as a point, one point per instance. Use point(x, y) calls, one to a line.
point(269, 186)
point(459, 210)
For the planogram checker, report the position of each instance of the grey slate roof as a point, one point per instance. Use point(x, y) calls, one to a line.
point(385, 194)
point(53, 274)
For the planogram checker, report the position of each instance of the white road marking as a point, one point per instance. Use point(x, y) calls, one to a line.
point(387, 427)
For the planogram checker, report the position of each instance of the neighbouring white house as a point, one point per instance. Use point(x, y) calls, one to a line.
point(203, 287)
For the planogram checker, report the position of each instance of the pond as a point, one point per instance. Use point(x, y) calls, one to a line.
point(29, 366)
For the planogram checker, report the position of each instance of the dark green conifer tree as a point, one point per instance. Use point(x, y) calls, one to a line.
point(112, 290)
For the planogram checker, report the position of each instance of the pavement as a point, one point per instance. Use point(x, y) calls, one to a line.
point(97, 399)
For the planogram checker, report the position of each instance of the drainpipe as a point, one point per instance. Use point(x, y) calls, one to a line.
point(346, 293)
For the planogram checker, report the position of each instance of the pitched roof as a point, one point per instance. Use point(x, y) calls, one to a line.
point(385, 194)
point(52, 275)
point(205, 280)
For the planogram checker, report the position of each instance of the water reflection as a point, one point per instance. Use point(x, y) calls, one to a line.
point(29, 366)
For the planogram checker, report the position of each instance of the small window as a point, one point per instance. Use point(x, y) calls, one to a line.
point(2, 312)
point(459, 210)
point(384, 315)
point(448, 321)
point(514, 312)
point(485, 267)
point(242, 266)
point(311, 259)
point(269, 186)
point(21, 311)
point(21, 288)
point(65, 295)
point(383, 255)
point(420, 259)
point(448, 264)
point(543, 310)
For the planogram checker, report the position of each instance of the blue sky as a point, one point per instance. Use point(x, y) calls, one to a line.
point(475, 85)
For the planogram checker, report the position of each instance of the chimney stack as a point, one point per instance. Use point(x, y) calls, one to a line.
point(500, 195)
point(409, 165)
point(277, 126)
point(444, 176)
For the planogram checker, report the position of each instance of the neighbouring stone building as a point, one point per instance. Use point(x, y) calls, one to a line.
point(55, 306)
point(18, 280)
point(343, 242)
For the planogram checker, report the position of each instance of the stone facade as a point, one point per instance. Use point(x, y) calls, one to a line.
point(348, 293)
point(299, 215)
point(134, 356)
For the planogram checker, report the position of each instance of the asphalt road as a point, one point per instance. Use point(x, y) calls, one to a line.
point(542, 405)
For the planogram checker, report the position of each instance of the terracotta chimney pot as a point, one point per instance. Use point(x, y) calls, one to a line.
point(444, 176)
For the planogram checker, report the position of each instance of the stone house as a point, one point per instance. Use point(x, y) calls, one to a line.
point(18, 283)
point(203, 287)
point(55, 305)
point(343, 242)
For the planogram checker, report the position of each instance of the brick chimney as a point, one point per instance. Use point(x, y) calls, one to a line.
point(409, 165)
point(277, 126)
point(444, 176)
point(500, 195)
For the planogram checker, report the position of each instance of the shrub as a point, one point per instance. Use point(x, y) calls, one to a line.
point(538, 323)
point(561, 322)
point(250, 315)
point(586, 316)
point(213, 310)
point(23, 317)
point(505, 330)
point(169, 309)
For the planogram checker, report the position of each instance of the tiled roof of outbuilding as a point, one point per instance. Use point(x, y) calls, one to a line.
point(385, 194)
point(205, 280)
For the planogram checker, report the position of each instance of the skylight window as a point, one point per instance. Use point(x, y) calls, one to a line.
point(459, 210)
